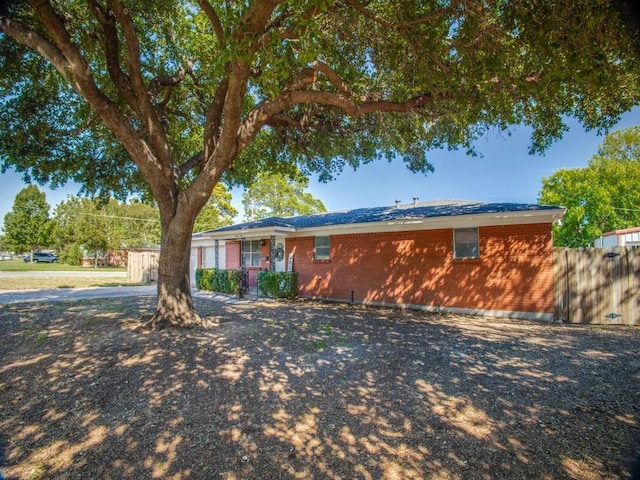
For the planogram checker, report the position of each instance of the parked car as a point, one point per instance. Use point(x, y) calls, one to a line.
point(5, 256)
point(41, 257)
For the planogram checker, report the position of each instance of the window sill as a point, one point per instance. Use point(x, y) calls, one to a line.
point(321, 260)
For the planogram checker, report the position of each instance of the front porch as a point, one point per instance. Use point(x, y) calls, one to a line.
point(250, 254)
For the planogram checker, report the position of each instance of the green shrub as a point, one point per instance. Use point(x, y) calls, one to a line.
point(71, 255)
point(278, 284)
point(203, 278)
point(214, 280)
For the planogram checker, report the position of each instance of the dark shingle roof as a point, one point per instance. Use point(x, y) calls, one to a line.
point(441, 208)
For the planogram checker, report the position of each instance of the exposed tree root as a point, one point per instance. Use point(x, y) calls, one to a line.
point(158, 321)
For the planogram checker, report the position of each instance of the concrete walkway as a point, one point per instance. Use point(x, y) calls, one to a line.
point(58, 294)
point(61, 294)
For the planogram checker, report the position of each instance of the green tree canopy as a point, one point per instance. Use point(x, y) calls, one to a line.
point(27, 226)
point(168, 97)
point(218, 212)
point(275, 195)
point(102, 225)
point(602, 197)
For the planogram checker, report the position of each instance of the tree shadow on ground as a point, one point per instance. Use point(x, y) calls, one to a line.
point(311, 390)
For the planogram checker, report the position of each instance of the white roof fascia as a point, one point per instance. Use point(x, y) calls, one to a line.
point(249, 233)
point(435, 223)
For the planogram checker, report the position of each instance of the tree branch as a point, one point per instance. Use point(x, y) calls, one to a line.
point(392, 25)
point(257, 17)
point(283, 120)
point(213, 17)
point(333, 77)
point(221, 141)
point(308, 76)
point(147, 111)
point(36, 42)
point(305, 78)
point(190, 164)
point(120, 79)
point(62, 40)
point(133, 62)
point(264, 112)
point(285, 33)
point(213, 121)
point(168, 81)
point(65, 56)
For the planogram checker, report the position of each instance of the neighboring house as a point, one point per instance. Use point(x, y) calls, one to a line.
point(459, 256)
point(628, 237)
point(114, 258)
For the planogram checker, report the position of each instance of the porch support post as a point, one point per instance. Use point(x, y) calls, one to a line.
point(272, 253)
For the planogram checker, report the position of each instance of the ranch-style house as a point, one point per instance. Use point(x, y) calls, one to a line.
point(460, 256)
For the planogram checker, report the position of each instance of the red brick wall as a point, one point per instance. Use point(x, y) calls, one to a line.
point(232, 256)
point(514, 271)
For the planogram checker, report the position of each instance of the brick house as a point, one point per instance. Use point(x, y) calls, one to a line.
point(468, 257)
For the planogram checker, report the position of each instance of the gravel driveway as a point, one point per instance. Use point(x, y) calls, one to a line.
point(312, 390)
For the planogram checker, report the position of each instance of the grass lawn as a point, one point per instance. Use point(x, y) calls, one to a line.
point(43, 281)
point(22, 266)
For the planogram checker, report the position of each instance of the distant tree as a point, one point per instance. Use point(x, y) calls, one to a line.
point(276, 195)
point(99, 225)
point(71, 254)
point(27, 226)
point(79, 220)
point(601, 197)
point(218, 212)
point(134, 224)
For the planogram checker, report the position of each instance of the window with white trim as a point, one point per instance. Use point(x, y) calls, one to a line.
point(466, 243)
point(251, 253)
point(322, 248)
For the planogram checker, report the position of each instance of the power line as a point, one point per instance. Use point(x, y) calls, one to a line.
point(114, 216)
point(627, 209)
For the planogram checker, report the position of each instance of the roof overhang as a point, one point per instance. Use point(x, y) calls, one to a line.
point(547, 215)
point(246, 233)
point(623, 231)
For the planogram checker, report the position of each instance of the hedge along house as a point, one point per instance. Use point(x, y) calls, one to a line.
point(459, 256)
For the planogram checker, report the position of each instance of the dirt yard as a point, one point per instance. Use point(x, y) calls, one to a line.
point(312, 391)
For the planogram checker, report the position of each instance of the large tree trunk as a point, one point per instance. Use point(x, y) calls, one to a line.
point(175, 305)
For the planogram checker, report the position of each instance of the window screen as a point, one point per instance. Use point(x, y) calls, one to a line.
point(466, 243)
point(323, 248)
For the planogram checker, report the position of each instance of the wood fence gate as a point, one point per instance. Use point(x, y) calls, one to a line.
point(597, 285)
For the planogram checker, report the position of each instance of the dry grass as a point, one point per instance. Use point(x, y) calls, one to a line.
point(17, 283)
point(309, 390)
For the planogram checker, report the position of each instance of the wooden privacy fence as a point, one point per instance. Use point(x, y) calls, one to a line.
point(597, 285)
point(142, 265)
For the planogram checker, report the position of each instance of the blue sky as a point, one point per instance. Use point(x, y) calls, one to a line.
point(504, 173)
